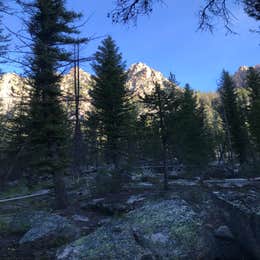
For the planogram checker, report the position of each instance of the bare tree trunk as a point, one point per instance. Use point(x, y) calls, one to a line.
point(60, 191)
point(58, 181)
point(163, 138)
point(229, 139)
point(78, 142)
point(165, 170)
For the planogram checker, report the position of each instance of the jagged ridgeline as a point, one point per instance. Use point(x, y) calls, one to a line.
point(141, 80)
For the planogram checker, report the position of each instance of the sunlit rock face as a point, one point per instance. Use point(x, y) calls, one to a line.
point(67, 87)
point(142, 78)
point(12, 89)
point(240, 76)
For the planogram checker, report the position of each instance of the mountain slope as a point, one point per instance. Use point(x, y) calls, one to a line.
point(141, 79)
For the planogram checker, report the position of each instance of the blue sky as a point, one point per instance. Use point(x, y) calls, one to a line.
point(168, 41)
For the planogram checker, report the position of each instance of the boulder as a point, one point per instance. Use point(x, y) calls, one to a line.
point(23, 221)
point(135, 198)
point(53, 230)
point(241, 211)
point(223, 232)
point(104, 243)
point(167, 229)
point(80, 218)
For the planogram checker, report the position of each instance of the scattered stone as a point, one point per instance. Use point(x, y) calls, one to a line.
point(223, 232)
point(145, 184)
point(97, 200)
point(184, 182)
point(135, 198)
point(104, 221)
point(80, 218)
point(228, 183)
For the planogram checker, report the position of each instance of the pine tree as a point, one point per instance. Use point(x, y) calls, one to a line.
point(160, 106)
point(235, 125)
point(17, 134)
point(191, 134)
point(51, 29)
point(109, 99)
point(253, 85)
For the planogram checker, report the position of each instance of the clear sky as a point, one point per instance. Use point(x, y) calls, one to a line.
point(168, 41)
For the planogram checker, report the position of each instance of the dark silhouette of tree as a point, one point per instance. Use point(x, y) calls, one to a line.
point(110, 99)
point(51, 29)
point(190, 132)
point(232, 118)
point(160, 106)
point(253, 85)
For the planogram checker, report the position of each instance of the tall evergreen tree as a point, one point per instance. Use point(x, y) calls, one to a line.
point(233, 119)
point(160, 106)
point(17, 134)
point(110, 99)
point(253, 85)
point(51, 29)
point(190, 132)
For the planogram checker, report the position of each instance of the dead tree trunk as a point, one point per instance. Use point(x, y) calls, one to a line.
point(78, 140)
point(164, 142)
point(61, 196)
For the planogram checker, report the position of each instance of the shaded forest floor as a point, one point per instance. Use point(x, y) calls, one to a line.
point(90, 211)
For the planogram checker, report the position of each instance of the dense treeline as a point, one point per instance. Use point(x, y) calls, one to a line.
point(170, 126)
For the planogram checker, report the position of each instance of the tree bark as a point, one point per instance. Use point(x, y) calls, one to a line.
point(60, 191)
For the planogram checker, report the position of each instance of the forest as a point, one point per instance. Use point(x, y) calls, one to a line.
point(123, 163)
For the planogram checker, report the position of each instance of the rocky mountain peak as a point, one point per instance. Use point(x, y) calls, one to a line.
point(240, 76)
point(141, 78)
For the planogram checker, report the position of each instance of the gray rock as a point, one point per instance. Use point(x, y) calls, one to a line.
point(104, 244)
point(135, 198)
point(23, 221)
point(145, 184)
point(228, 183)
point(80, 218)
point(52, 231)
point(241, 210)
point(159, 238)
point(167, 229)
point(104, 221)
point(183, 182)
point(223, 232)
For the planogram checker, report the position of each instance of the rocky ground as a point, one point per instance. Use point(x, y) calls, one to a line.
point(210, 219)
